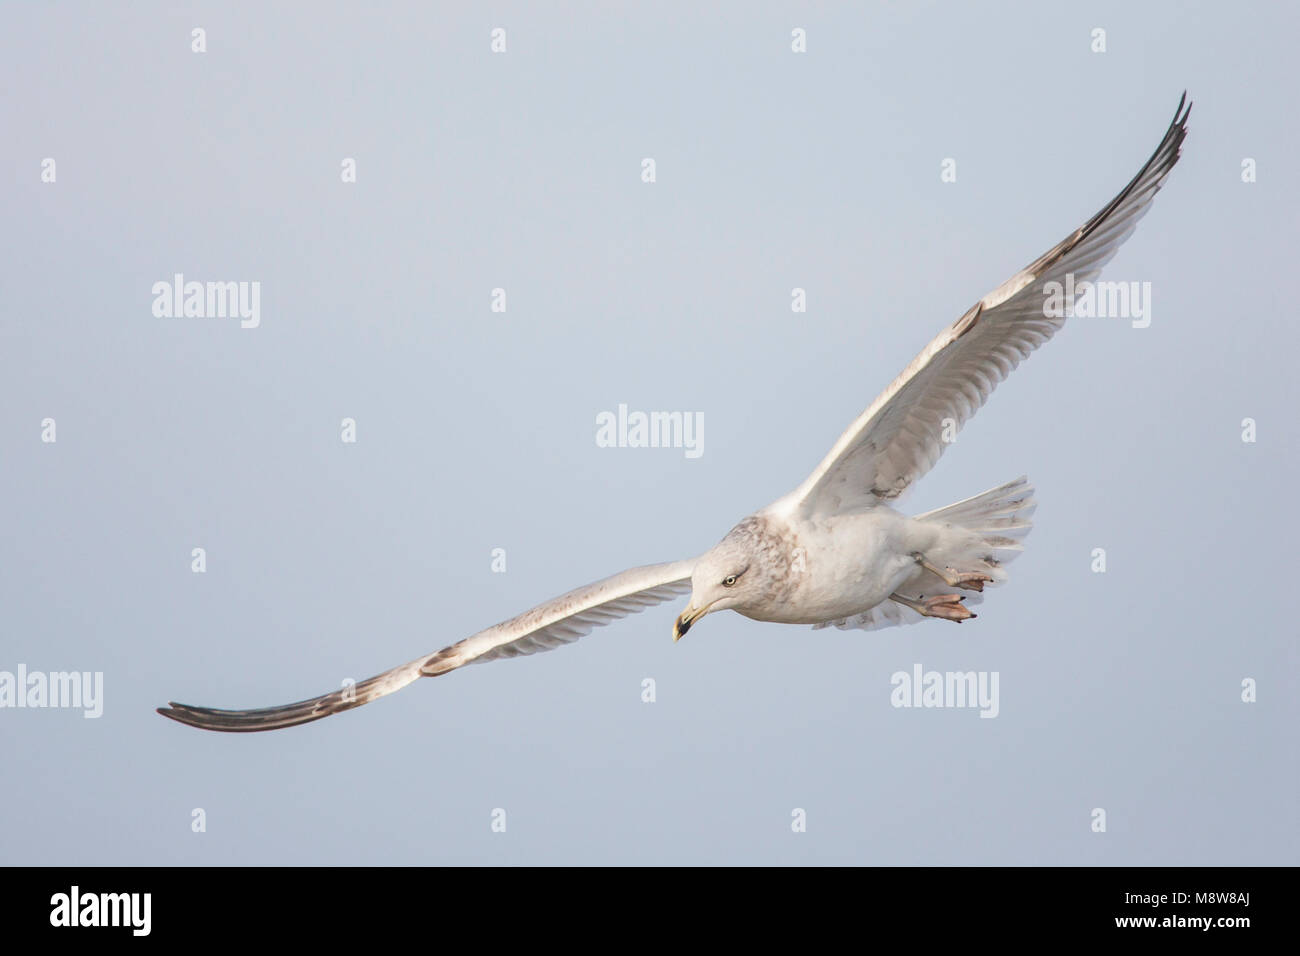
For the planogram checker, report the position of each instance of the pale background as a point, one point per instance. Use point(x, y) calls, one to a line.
point(476, 430)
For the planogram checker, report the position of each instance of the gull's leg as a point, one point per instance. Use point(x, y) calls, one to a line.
point(966, 580)
point(945, 606)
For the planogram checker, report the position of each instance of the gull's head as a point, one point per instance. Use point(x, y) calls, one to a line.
point(729, 576)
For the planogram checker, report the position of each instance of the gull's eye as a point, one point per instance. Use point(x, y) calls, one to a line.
point(729, 581)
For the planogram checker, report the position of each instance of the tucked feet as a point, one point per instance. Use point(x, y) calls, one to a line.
point(966, 580)
point(949, 607)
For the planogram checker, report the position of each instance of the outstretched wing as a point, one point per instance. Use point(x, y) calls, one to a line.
point(898, 439)
point(558, 621)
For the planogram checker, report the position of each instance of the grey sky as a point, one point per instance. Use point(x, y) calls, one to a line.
point(476, 430)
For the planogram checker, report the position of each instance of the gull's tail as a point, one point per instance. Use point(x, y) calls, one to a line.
point(998, 519)
point(985, 534)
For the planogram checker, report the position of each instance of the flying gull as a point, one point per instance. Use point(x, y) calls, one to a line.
point(834, 552)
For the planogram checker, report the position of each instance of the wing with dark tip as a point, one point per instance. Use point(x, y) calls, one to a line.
point(901, 435)
point(550, 625)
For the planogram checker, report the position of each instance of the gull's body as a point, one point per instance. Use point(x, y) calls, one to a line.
point(825, 569)
point(835, 566)
point(834, 551)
